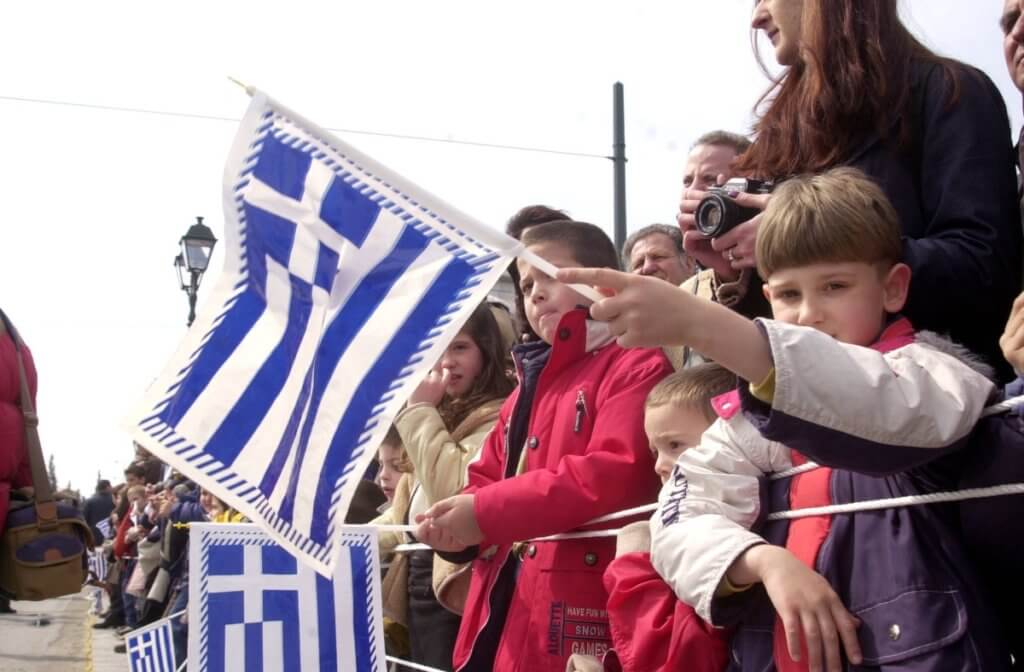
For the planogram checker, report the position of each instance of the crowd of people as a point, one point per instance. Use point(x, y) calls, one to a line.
point(837, 344)
point(140, 528)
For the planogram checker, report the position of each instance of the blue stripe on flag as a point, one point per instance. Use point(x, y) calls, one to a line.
point(223, 609)
point(362, 635)
point(326, 268)
point(245, 416)
point(339, 336)
point(348, 212)
point(237, 322)
point(282, 168)
point(254, 646)
point(379, 378)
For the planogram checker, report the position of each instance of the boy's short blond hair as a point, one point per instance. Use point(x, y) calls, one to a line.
point(394, 439)
point(840, 215)
point(694, 387)
point(135, 492)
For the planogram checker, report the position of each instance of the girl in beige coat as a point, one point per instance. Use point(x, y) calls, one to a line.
point(442, 428)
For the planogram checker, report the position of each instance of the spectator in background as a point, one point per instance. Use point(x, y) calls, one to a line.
point(657, 250)
point(531, 215)
point(98, 507)
point(153, 468)
point(933, 133)
point(711, 157)
point(14, 467)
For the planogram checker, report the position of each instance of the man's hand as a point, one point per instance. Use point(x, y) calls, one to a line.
point(1012, 340)
point(737, 246)
point(450, 525)
point(696, 244)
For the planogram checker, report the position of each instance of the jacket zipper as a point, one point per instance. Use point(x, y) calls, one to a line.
point(581, 411)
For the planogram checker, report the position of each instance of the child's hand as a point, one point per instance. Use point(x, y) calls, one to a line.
point(431, 389)
point(807, 606)
point(1012, 340)
point(641, 310)
point(450, 525)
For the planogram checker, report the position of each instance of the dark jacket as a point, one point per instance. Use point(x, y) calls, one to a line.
point(98, 507)
point(955, 190)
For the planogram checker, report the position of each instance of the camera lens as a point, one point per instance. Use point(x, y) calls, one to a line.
point(710, 219)
point(718, 214)
point(710, 215)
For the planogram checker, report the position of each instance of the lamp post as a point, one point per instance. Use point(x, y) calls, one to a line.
point(196, 248)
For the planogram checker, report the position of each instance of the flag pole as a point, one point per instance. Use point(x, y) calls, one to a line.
point(245, 87)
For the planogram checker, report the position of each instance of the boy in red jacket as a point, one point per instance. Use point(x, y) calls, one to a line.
point(652, 629)
point(569, 446)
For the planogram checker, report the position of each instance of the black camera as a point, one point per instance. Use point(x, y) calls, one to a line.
point(718, 214)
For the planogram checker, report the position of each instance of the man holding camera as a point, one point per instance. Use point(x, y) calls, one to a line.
point(727, 255)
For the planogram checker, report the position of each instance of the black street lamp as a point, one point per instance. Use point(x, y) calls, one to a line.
point(196, 248)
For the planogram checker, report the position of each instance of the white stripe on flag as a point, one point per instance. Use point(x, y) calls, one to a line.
point(363, 351)
point(273, 647)
point(234, 647)
point(344, 614)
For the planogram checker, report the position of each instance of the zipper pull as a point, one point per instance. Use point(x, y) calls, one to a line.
point(581, 411)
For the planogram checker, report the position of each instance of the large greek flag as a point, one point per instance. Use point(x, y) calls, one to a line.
point(342, 285)
point(253, 607)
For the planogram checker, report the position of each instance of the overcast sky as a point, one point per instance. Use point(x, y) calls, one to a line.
point(95, 200)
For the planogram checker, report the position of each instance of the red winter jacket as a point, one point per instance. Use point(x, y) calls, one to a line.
point(14, 465)
point(652, 629)
point(586, 455)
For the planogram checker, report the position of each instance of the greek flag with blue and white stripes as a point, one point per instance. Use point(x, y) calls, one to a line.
point(342, 285)
point(151, 649)
point(253, 606)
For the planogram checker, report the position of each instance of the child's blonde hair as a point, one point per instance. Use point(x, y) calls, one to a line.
point(393, 438)
point(840, 215)
point(694, 387)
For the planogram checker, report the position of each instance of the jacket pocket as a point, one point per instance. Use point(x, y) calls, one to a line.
point(911, 624)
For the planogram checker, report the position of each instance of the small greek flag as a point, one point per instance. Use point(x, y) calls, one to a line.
point(253, 607)
point(97, 564)
point(342, 285)
point(151, 649)
point(104, 527)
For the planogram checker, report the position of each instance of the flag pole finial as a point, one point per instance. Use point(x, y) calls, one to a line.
point(248, 89)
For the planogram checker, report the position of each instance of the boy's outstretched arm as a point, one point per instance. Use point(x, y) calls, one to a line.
point(644, 311)
point(813, 617)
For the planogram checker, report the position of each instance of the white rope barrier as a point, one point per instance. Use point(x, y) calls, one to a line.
point(411, 665)
point(873, 505)
point(900, 502)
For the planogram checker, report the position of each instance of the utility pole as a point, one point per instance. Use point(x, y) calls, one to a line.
point(619, 163)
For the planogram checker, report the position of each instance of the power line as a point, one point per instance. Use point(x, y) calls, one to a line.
point(210, 117)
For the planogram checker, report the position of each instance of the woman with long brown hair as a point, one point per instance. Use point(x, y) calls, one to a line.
point(859, 89)
point(441, 429)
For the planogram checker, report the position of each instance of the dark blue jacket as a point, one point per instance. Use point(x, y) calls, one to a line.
point(955, 189)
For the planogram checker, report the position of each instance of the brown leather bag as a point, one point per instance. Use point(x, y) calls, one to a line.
point(43, 547)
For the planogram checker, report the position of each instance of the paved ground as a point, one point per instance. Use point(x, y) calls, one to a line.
point(57, 636)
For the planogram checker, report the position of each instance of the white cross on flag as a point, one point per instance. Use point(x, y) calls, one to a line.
point(253, 607)
point(342, 285)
